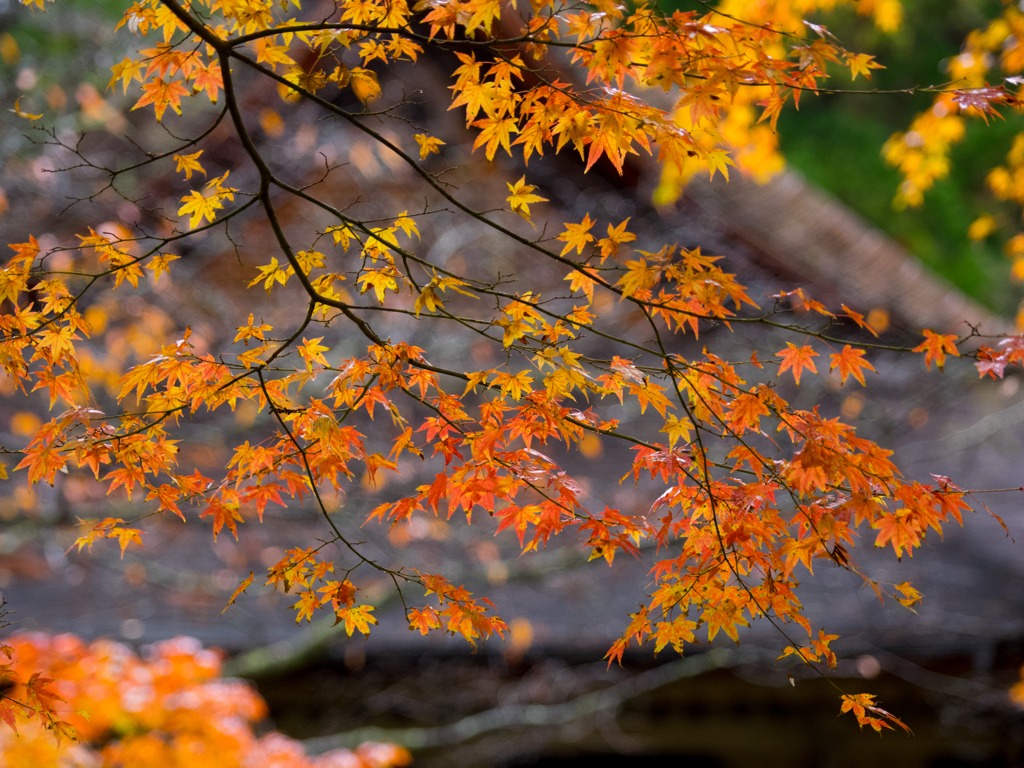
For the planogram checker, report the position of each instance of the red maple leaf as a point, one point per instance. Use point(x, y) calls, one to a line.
point(983, 99)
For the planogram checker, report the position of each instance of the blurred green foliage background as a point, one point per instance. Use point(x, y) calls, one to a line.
point(836, 142)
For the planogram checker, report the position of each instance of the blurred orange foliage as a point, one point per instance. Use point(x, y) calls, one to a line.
point(166, 709)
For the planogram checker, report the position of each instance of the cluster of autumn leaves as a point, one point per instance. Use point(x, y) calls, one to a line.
point(922, 152)
point(107, 706)
point(732, 527)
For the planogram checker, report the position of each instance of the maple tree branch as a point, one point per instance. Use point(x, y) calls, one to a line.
point(705, 480)
point(405, 32)
point(152, 157)
point(316, 491)
point(250, 147)
point(736, 550)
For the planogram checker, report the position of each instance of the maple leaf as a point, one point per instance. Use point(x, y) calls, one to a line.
point(423, 619)
point(745, 413)
point(21, 113)
point(224, 514)
point(577, 236)
point(515, 385)
point(725, 617)
point(209, 79)
point(356, 617)
point(796, 358)
point(252, 331)
point(861, 64)
point(160, 264)
point(677, 429)
point(860, 704)
point(199, 206)
point(582, 279)
point(188, 164)
point(43, 462)
point(25, 253)
point(364, 84)
point(936, 346)
point(900, 530)
point(910, 597)
point(609, 246)
point(312, 351)
point(268, 53)
point(241, 588)
point(495, 132)
point(162, 95)
point(518, 518)
point(87, 539)
point(7, 714)
point(126, 71)
point(269, 274)
point(125, 536)
point(308, 602)
point(983, 99)
point(850, 362)
point(408, 225)
point(651, 394)
point(858, 318)
point(676, 632)
point(380, 280)
point(821, 647)
point(341, 235)
point(521, 196)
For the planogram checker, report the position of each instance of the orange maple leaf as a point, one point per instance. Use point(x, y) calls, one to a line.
point(850, 362)
point(796, 358)
point(223, 514)
point(935, 347)
point(424, 620)
point(162, 95)
point(858, 318)
point(125, 536)
point(241, 588)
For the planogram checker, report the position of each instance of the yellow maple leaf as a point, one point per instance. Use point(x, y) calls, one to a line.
point(380, 280)
point(496, 132)
point(20, 113)
point(312, 351)
point(677, 428)
point(364, 84)
point(198, 207)
point(521, 197)
point(268, 274)
point(189, 163)
point(616, 236)
point(582, 280)
point(577, 235)
point(241, 588)
point(160, 264)
point(428, 145)
point(861, 64)
point(126, 71)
